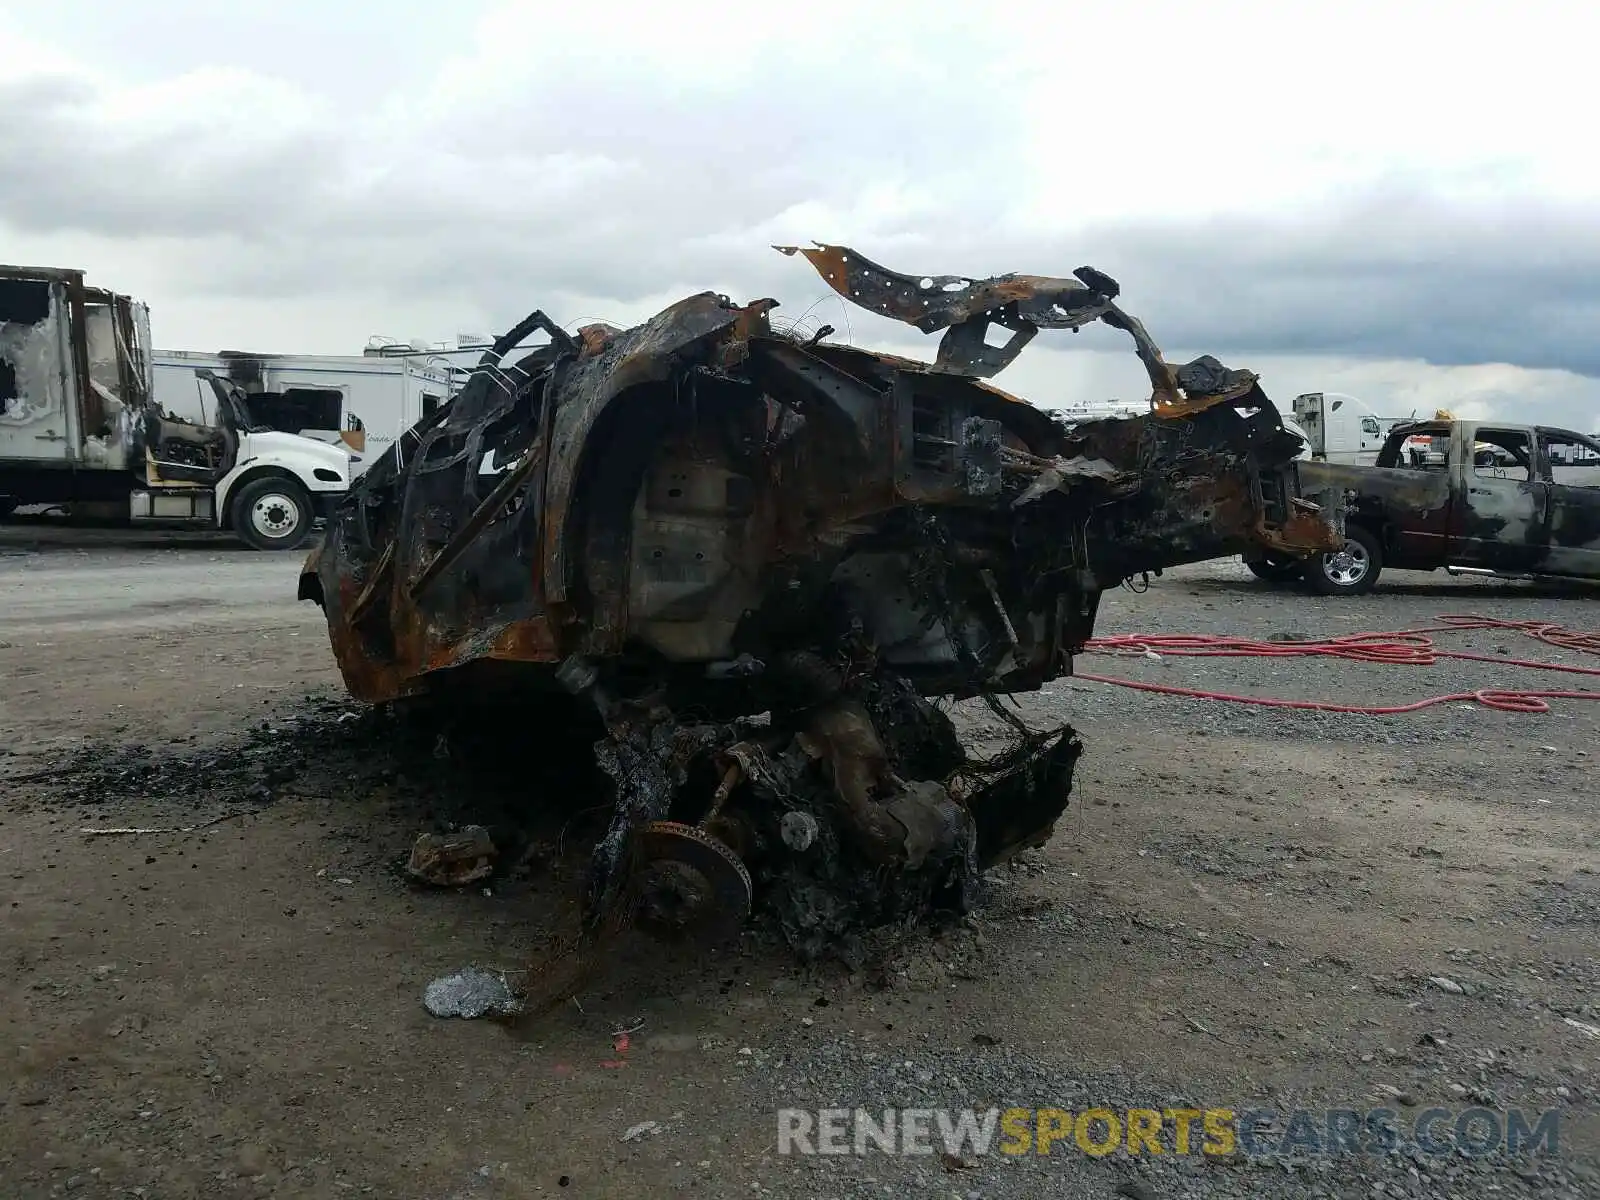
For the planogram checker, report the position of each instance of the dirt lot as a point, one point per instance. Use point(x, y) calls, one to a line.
point(1242, 909)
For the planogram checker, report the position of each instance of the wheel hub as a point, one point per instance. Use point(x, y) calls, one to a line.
point(275, 515)
point(686, 879)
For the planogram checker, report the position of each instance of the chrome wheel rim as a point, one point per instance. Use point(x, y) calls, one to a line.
point(1348, 566)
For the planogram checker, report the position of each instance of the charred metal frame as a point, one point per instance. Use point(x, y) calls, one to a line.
point(702, 513)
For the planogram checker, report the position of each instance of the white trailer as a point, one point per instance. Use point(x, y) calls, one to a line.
point(1343, 429)
point(1101, 410)
point(360, 402)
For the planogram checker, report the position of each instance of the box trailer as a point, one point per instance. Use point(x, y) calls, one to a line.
point(1342, 429)
point(360, 402)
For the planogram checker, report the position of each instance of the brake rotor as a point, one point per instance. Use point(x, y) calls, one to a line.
point(686, 880)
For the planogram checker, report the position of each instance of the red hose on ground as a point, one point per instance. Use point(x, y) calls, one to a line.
point(1407, 647)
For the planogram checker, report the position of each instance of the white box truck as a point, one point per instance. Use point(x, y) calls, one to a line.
point(82, 430)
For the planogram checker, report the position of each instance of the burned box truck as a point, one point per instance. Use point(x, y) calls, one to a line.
point(80, 429)
point(762, 557)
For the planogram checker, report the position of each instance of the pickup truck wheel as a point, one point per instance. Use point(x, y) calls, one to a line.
point(273, 513)
point(1277, 570)
point(1350, 571)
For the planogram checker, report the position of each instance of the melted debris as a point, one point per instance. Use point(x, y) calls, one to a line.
point(453, 859)
point(471, 993)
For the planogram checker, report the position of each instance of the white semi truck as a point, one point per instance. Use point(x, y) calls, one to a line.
point(360, 403)
point(81, 430)
point(1342, 429)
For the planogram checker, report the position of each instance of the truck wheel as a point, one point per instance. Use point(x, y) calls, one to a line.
point(272, 513)
point(1277, 570)
point(1350, 571)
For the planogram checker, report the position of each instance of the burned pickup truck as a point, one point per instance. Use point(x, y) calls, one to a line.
point(1473, 497)
point(758, 555)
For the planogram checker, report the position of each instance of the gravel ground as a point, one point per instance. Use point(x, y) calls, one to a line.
point(1243, 909)
point(1223, 598)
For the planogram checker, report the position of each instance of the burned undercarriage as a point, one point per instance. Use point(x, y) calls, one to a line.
point(757, 556)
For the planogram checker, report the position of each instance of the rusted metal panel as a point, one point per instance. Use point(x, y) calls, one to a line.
point(1024, 304)
point(628, 360)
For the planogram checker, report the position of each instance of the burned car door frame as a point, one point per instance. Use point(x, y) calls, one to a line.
point(1573, 508)
point(1501, 521)
point(183, 452)
point(1418, 536)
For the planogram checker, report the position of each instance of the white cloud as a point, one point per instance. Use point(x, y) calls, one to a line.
point(1329, 192)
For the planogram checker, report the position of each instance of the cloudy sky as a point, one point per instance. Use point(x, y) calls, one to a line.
point(1393, 199)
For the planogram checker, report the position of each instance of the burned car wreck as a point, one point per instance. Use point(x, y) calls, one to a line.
point(761, 556)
